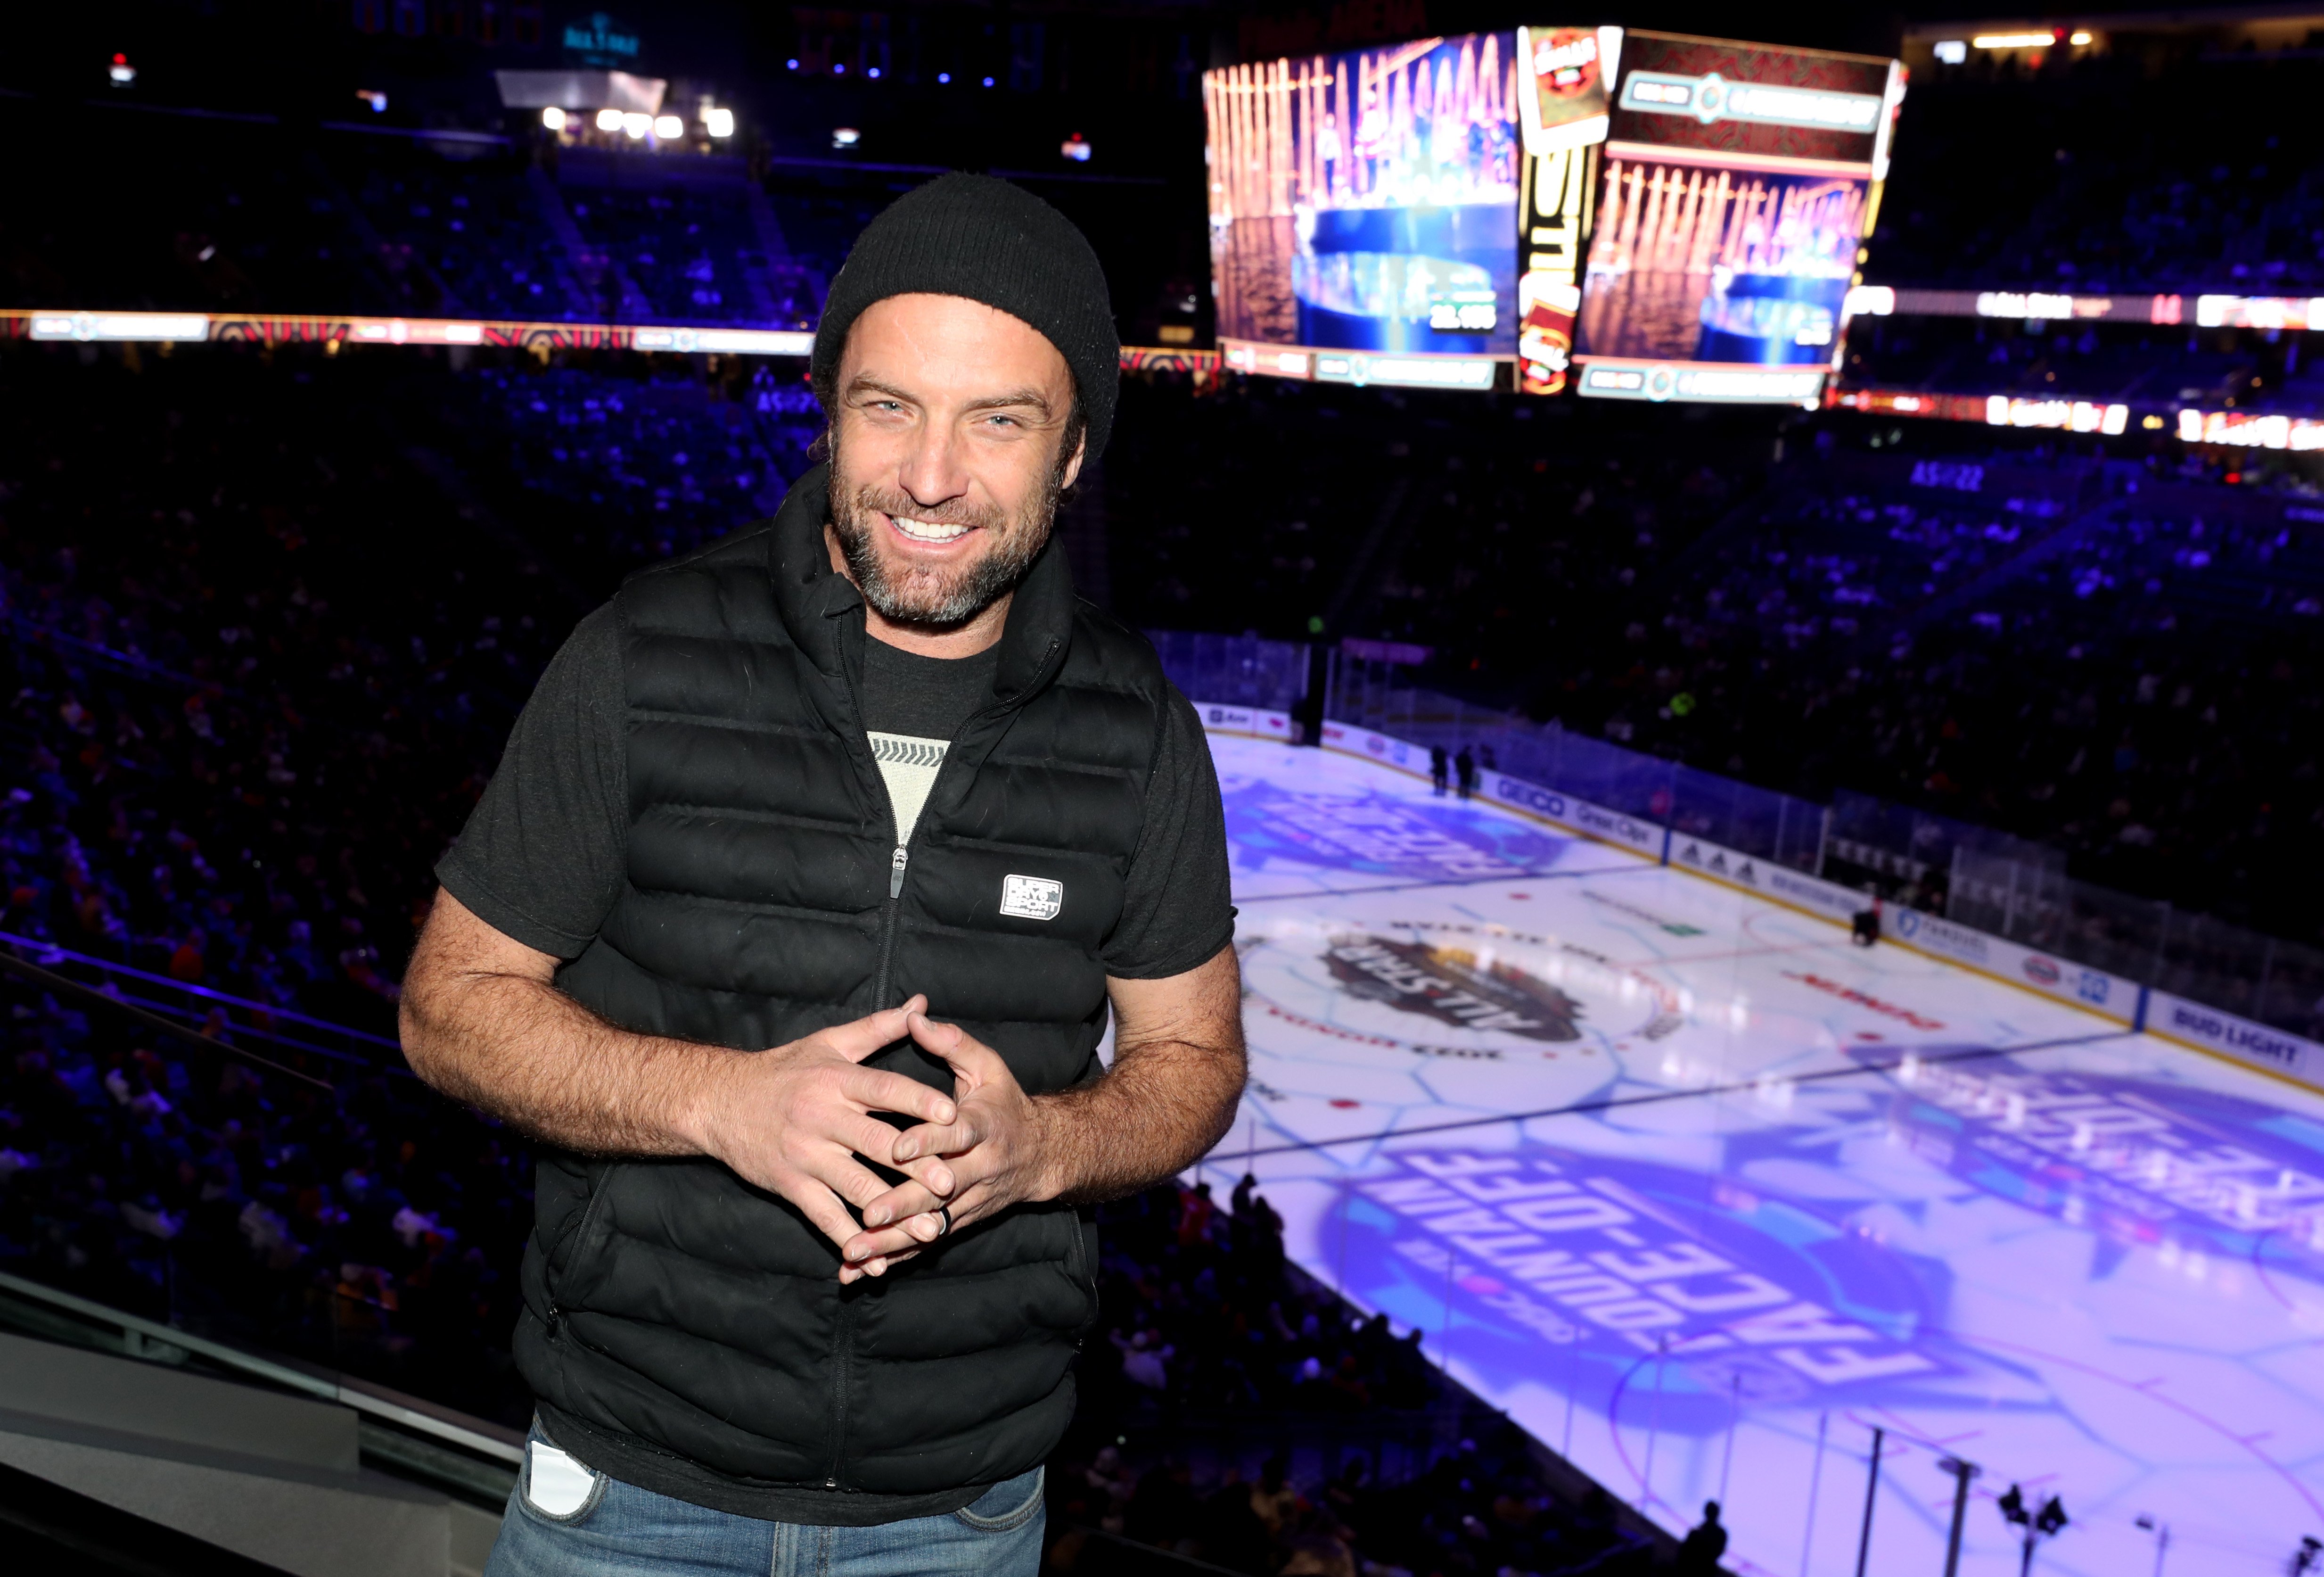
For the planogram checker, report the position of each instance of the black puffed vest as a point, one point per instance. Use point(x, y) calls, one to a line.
point(670, 1305)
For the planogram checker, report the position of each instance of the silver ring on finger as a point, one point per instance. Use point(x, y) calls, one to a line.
point(943, 1214)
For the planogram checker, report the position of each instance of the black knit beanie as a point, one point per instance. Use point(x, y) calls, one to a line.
point(973, 235)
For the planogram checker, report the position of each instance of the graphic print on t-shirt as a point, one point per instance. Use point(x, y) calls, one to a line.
point(909, 767)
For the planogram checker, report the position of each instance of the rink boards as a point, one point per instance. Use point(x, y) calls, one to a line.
point(1687, 1185)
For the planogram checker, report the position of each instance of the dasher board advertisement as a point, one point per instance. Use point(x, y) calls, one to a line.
point(1362, 210)
point(1734, 193)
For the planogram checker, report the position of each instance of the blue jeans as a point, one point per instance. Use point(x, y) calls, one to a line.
point(619, 1530)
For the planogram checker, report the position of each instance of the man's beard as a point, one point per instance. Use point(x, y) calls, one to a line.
point(933, 597)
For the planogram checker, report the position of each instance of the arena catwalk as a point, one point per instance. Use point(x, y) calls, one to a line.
point(1702, 1194)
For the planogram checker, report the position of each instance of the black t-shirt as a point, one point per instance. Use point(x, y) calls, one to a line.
point(931, 697)
point(542, 856)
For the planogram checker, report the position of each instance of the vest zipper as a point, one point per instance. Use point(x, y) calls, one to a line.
point(844, 1351)
point(900, 859)
point(896, 866)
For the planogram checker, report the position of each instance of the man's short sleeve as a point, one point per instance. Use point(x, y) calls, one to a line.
point(542, 856)
point(1176, 908)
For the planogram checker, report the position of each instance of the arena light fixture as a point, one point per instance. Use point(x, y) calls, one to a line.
point(845, 136)
point(635, 125)
point(553, 119)
point(2079, 39)
point(374, 98)
point(609, 120)
point(944, 76)
point(873, 72)
point(1953, 52)
point(121, 72)
point(718, 123)
point(2014, 41)
point(1075, 148)
point(669, 127)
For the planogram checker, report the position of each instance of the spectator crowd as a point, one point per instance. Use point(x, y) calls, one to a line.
point(218, 214)
point(272, 614)
point(1238, 1411)
point(2158, 166)
point(2106, 654)
point(271, 619)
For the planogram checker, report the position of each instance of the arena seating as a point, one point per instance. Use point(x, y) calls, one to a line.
point(1216, 1345)
point(260, 683)
point(271, 618)
point(213, 214)
point(2020, 657)
point(236, 216)
point(2120, 171)
point(2121, 684)
point(466, 239)
point(669, 462)
point(1478, 527)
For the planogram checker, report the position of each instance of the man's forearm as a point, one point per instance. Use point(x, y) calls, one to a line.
point(1154, 1113)
point(483, 1021)
point(485, 1038)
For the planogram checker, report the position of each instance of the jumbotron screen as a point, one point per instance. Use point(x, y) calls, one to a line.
point(1734, 191)
point(1363, 208)
point(1651, 216)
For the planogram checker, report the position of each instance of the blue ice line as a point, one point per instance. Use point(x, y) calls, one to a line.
point(1609, 1103)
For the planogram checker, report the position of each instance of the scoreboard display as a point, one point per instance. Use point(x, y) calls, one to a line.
point(1633, 215)
point(1362, 209)
point(1735, 189)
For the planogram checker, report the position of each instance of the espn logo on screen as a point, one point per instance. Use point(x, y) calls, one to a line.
point(1031, 897)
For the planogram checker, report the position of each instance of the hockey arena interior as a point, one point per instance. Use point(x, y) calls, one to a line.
point(1758, 608)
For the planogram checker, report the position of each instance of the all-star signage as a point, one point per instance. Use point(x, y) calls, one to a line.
point(1614, 1258)
point(1499, 992)
point(1451, 986)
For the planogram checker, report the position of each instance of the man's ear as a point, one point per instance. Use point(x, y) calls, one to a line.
point(1072, 467)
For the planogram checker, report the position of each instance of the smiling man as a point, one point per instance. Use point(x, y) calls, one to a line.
point(790, 925)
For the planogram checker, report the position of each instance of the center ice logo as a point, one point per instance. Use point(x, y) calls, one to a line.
point(1452, 986)
point(1498, 994)
point(1414, 840)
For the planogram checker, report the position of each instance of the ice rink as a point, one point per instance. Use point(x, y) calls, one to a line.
point(1701, 1193)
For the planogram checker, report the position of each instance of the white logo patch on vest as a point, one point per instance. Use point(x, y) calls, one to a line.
point(1031, 897)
